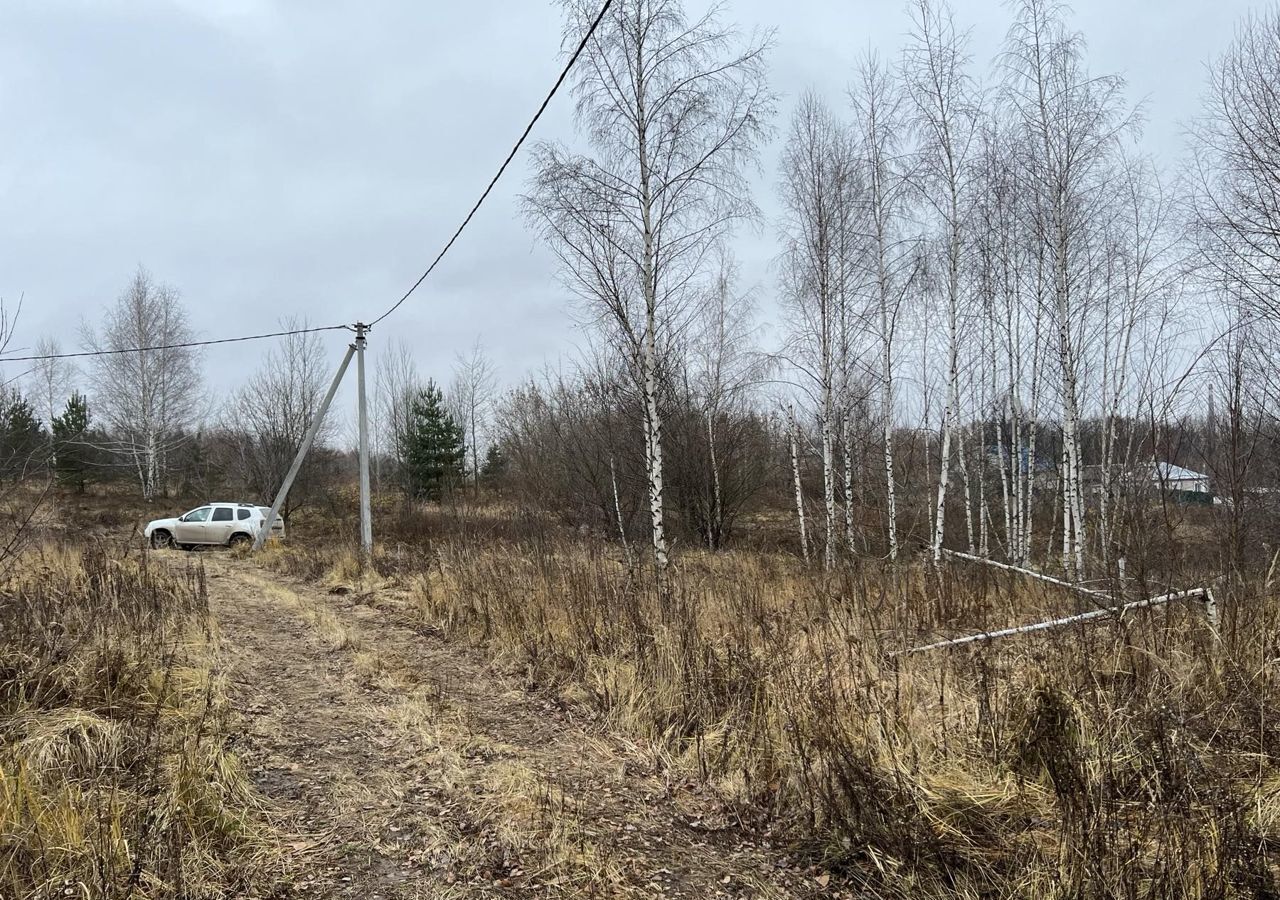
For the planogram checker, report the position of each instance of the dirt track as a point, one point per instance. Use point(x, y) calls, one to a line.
point(400, 765)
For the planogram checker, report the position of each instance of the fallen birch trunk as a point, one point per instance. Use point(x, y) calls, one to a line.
point(1202, 594)
point(1030, 573)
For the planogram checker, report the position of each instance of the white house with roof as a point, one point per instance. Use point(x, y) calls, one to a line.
point(1175, 478)
point(1184, 484)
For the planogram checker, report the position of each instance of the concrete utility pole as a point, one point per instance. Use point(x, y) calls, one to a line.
point(366, 515)
point(307, 441)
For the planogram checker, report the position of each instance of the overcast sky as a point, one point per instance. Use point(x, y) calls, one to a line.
point(279, 157)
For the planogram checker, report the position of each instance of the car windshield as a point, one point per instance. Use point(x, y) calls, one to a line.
point(197, 515)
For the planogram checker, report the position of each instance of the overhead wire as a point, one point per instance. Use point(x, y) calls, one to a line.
point(564, 74)
point(179, 346)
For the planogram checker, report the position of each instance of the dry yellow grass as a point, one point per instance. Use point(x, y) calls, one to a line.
point(114, 772)
point(513, 811)
point(330, 630)
point(1122, 759)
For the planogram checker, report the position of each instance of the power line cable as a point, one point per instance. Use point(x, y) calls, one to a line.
point(232, 340)
point(510, 156)
point(564, 74)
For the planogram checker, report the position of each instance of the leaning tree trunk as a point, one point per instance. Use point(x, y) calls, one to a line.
point(617, 509)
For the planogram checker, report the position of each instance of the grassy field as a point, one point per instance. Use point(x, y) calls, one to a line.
point(115, 775)
point(1130, 758)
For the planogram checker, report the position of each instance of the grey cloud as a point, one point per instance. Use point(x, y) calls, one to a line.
point(277, 158)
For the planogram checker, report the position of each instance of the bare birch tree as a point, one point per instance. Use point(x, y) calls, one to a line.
point(819, 190)
point(724, 367)
point(673, 110)
point(892, 259)
point(396, 383)
point(148, 398)
point(1142, 272)
point(472, 393)
point(1236, 171)
point(944, 116)
point(793, 441)
point(271, 413)
point(1011, 284)
point(51, 380)
point(1071, 120)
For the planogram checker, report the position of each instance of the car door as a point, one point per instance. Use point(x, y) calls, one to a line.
point(191, 527)
point(220, 524)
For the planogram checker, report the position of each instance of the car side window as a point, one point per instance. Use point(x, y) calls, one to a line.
point(197, 515)
point(242, 513)
point(222, 514)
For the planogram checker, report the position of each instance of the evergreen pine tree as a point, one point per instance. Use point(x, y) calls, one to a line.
point(432, 445)
point(22, 437)
point(495, 464)
point(70, 448)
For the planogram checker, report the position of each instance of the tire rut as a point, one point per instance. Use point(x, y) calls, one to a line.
point(400, 765)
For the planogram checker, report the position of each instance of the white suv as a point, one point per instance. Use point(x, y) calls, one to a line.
point(214, 524)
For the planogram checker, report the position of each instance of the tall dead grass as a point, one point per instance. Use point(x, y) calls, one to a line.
point(115, 774)
point(1120, 759)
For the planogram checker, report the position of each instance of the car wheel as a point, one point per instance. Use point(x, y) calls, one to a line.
point(238, 541)
point(161, 540)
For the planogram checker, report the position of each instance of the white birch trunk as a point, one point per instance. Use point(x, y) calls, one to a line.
point(968, 493)
point(949, 411)
point(984, 509)
point(944, 467)
point(1011, 537)
point(649, 349)
point(886, 399)
point(617, 509)
point(793, 429)
point(653, 458)
point(829, 487)
point(1067, 505)
point(1029, 477)
point(1029, 492)
point(891, 499)
point(153, 466)
point(717, 507)
point(848, 486)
